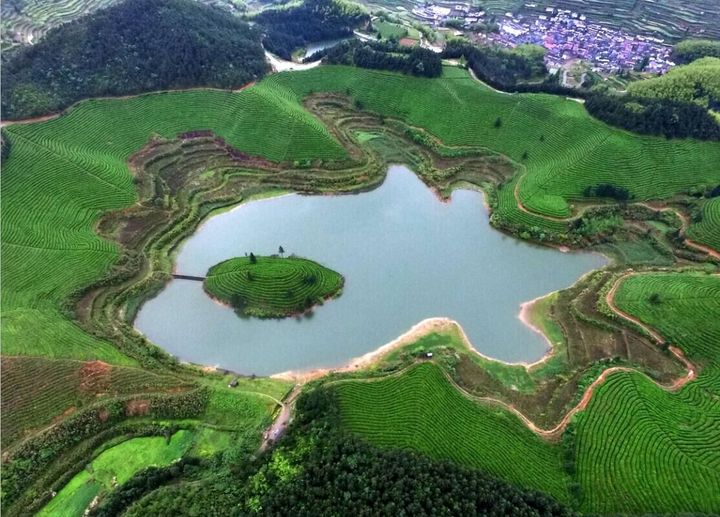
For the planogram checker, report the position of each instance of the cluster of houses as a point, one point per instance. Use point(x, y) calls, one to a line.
point(566, 35)
point(437, 14)
point(571, 36)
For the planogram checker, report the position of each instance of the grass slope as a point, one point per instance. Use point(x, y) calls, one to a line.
point(567, 150)
point(272, 287)
point(707, 231)
point(421, 410)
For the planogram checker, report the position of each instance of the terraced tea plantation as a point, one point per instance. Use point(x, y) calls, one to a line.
point(643, 449)
point(636, 448)
point(669, 19)
point(561, 148)
point(421, 410)
point(272, 287)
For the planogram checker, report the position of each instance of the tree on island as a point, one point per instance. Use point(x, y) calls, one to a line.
point(281, 251)
point(253, 258)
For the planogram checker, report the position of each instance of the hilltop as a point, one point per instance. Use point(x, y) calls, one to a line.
point(129, 48)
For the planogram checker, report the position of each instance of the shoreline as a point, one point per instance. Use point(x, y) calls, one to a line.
point(416, 332)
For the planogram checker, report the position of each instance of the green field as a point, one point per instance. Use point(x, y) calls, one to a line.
point(272, 287)
point(114, 467)
point(636, 448)
point(388, 30)
point(656, 451)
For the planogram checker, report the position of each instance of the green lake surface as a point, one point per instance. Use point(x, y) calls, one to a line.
point(406, 256)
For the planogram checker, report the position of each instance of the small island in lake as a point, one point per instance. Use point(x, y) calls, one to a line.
point(272, 287)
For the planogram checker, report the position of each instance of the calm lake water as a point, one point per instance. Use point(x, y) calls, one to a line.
point(405, 255)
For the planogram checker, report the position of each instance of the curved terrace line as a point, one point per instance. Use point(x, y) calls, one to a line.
point(434, 324)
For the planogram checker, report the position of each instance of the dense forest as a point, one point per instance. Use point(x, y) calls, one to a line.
point(317, 469)
point(289, 28)
point(698, 82)
point(650, 116)
point(383, 56)
point(692, 49)
point(501, 67)
point(132, 47)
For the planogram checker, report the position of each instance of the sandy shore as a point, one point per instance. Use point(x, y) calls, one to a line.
point(416, 332)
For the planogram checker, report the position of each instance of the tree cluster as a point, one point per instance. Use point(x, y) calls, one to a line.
point(653, 116)
point(132, 47)
point(689, 50)
point(608, 190)
point(289, 28)
point(498, 66)
point(383, 56)
point(318, 469)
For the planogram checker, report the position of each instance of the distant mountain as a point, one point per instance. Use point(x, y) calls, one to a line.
point(132, 47)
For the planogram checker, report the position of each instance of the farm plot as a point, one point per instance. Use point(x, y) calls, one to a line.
point(707, 231)
point(36, 390)
point(114, 467)
point(272, 287)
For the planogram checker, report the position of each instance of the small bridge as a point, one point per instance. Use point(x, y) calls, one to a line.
point(189, 277)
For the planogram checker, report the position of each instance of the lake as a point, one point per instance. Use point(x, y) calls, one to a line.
point(406, 256)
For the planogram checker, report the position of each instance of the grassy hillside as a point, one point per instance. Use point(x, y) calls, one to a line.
point(272, 287)
point(75, 168)
point(115, 466)
point(697, 82)
point(636, 448)
point(707, 230)
point(652, 450)
point(566, 149)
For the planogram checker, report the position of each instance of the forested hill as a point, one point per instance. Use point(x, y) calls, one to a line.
point(132, 47)
point(289, 28)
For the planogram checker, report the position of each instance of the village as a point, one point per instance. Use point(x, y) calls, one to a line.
point(567, 36)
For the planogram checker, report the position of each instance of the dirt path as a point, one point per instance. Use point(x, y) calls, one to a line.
point(610, 300)
point(279, 425)
point(551, 434)
point(685, 224)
